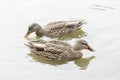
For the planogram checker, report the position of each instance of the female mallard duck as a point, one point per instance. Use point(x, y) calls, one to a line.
point(55, 29)
point(57, 50)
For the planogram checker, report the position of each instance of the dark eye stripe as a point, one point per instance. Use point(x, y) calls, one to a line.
point(84, 43)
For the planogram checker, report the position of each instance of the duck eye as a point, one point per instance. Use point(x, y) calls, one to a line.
point(84, 43)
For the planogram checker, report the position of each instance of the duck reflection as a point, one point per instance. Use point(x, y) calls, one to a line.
point(82, 62)
point(75, 34)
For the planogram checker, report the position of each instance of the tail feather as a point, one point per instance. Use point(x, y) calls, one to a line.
point(35, 47)
point(30, 45)
point(80, 23)
point(39, 49)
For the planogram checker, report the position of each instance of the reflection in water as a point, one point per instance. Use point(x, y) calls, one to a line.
point(76, 34)
point(82, 62)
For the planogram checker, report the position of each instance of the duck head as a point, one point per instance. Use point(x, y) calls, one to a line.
point(81, 45)
point(33, 28)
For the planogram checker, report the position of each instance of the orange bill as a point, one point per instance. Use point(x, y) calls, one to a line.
point(27, 34)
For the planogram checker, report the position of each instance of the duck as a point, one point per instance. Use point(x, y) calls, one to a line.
point(55, 29)
point(59, 50)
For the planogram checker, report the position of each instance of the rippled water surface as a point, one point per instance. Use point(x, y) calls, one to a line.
point(102, 32)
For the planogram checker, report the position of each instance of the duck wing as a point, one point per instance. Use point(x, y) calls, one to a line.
point(50, 51)
point(58, 51)
point(55, 48)
point(61, 28)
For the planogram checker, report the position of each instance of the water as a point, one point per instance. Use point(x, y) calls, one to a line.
point(103, 35)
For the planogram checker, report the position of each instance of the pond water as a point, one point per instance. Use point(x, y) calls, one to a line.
point(102, 33)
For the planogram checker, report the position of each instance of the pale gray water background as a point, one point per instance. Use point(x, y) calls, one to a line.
point(103, 28)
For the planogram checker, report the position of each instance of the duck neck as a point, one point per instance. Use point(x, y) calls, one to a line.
point(76, 55)
point(40, 32)
point(77, 51)
point(79, 54)
point(75, 47)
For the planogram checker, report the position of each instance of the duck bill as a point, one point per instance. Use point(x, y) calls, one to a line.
point(83, 22)
point(91, 49)
point(27, 34)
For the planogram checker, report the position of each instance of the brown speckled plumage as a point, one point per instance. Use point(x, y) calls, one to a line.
point(55, 29)
point(59, 50)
